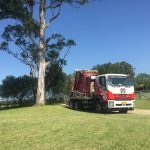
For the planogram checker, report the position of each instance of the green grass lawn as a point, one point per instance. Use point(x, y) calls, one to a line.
point(142, 104)
point(56, 127)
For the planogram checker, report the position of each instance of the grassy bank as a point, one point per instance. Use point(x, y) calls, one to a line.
point(142, 104)
point(57, 127)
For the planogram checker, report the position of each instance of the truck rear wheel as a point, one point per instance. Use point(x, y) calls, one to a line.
point(72, 104)
point(77, 105)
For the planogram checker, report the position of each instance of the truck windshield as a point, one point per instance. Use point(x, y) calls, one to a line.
point(119, 81)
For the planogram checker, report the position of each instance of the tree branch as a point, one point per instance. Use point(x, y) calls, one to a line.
point(67, 52)
point(54, 6)
point(47, 63)
point(53, 16)
point(25, 61)
point(65, 56)
point(34, 41)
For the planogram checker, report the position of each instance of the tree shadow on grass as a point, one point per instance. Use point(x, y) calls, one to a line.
point(54, 103)
point(7, 106)
point(16, 106)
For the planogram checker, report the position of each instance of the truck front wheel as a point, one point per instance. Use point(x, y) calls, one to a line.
point(98, 108)
point(123, 111)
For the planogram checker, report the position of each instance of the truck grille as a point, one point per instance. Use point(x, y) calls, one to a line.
point(122, 96)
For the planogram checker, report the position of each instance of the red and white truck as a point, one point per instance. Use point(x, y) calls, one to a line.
point(107, 92)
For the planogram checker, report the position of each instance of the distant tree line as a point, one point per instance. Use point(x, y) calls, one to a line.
point(19, 88)
point(24, 87)
point(119, 67)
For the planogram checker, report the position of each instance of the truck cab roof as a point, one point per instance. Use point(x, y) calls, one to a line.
point(112, 74)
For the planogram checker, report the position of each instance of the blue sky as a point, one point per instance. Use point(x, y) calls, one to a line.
point(105, 31)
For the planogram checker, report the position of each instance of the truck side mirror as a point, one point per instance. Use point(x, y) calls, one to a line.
point(92, 78)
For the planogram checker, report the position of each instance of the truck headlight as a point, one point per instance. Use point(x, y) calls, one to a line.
point(111, 103)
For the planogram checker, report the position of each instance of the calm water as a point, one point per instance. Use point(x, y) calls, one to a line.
point(3, 99)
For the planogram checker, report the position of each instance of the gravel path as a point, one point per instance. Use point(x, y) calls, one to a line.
point(140, 111)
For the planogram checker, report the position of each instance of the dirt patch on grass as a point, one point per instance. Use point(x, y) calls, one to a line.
point(140, 111)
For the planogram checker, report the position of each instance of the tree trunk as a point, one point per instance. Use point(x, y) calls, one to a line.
point(40, 99)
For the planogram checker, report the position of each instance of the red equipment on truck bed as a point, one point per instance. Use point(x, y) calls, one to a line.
point(82, 82)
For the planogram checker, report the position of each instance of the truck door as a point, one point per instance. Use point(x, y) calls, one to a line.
point(102, 87)
point(102, 82)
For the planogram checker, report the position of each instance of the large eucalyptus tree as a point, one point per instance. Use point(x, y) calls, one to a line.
point(27, 32)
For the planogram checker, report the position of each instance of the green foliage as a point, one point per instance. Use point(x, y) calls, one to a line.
point(21, 88)
point(21, 11)
point(0, 90)
point(55, 44)
point(143, 79)
point(25, 33)
point(119, 67)
point(15, 9)
point(55, 79)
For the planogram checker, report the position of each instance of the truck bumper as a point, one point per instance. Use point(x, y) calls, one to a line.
point(121, 104)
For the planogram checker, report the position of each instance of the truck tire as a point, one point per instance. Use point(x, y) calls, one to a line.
point(98, 108)
point(123, 111)
point(77, 105)
point(97, 105)
point(72, 104)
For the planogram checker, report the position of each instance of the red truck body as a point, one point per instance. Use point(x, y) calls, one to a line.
point(104, 92)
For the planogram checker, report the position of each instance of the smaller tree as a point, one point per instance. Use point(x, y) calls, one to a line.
point(55, 79)
point(0, 90)
point(20, 88)
point(142, 81)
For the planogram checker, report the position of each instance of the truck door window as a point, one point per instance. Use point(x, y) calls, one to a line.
point(102, 81)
